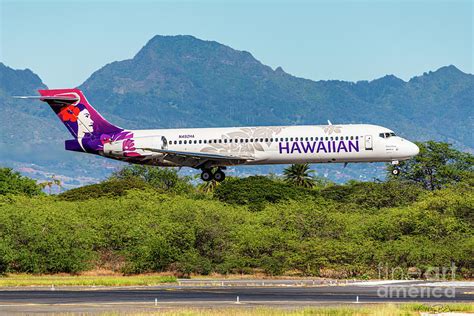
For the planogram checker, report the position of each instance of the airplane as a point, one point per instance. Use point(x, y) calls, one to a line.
point(213, 149)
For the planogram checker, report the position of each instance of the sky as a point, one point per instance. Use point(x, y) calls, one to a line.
point(64, 42)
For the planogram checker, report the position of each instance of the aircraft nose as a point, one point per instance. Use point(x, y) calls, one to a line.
point(412, 149)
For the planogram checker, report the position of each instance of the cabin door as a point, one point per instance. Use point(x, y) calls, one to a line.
point(368, 142)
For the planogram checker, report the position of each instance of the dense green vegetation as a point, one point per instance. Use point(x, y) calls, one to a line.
point(147, 219)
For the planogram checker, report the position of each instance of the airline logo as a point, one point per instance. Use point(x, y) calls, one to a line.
point(331, 146)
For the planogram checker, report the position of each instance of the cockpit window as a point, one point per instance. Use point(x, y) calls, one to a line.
point(387, 135)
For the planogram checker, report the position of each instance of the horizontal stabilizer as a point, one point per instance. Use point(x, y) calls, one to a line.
point(53, 99)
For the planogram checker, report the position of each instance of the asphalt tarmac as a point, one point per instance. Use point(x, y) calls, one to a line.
point(273, 294)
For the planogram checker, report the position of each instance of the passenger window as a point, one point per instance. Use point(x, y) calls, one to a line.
point(327, 138)
point(314, 138)
point(271, 140)
point(246, 140)
point(225, 141)
point(352, 137)
point(220, 141)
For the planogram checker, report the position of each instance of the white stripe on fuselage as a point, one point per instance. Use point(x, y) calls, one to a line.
point(284, 144)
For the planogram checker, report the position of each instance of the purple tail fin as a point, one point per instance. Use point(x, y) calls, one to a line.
point(78, 116)
point(87, 126)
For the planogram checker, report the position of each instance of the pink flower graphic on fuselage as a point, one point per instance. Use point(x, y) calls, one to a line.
point(128, 145)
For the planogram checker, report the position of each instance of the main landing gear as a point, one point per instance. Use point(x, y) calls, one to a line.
point(208, 175)
point(396, 169)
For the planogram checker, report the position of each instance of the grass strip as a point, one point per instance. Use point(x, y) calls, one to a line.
point(81, 280)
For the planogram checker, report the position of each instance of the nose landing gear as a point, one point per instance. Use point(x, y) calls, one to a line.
point(208, 175)
point(396, 169)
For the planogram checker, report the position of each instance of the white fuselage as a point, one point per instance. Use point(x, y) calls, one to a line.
point(278, 144)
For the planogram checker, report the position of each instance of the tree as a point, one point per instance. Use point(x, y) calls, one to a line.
point(300, 175)
point(160, 178)
point(12, 182)
point(437, 165)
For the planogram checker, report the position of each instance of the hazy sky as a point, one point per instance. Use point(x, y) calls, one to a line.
point(64, 42)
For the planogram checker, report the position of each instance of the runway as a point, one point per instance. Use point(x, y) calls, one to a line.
point(89, 299)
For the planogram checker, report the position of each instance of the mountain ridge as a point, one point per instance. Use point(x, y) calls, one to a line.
point(182, 81)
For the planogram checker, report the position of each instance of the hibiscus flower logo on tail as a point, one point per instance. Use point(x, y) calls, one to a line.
point(69, 113)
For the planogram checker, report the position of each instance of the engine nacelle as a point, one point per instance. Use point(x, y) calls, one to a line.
point(114, 149)
point(136, 145)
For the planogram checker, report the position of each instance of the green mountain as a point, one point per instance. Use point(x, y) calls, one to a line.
point(182, 81)
point(32, 138)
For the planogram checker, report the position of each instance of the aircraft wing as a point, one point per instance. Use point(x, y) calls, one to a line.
point(199, 159)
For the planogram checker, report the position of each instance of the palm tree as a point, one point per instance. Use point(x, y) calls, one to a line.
point(208, 186)
point(50, 183)
point(300, 175)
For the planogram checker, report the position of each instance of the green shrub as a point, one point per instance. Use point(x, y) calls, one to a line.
point(109, 188)
point(372, 195)
point(164, 179)
point(257, 190)
point(45, 237)
point(12, 182)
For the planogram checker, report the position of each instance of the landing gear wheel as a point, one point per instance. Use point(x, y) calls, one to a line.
point(396, 171)
point(219, 176)
point(206, 175)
